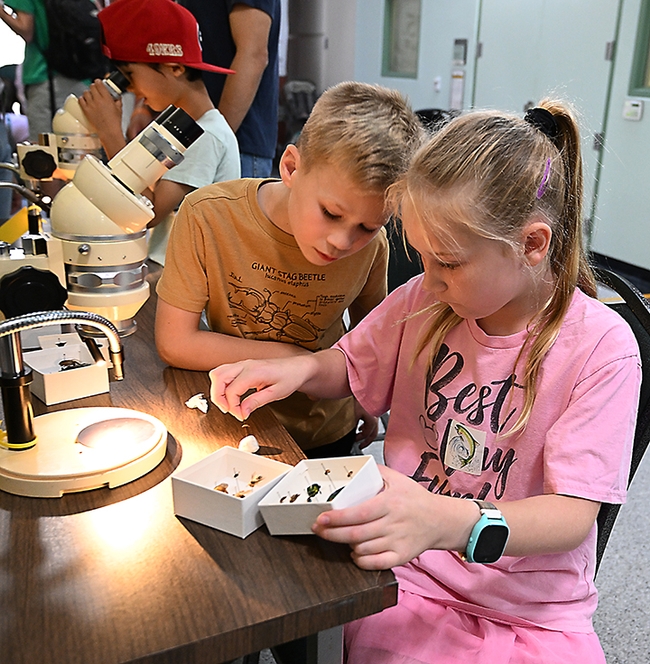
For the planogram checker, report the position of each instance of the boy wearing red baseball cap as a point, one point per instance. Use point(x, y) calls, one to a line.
point(163, 61)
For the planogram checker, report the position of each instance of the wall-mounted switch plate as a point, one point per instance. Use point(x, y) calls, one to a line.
point(633, 109)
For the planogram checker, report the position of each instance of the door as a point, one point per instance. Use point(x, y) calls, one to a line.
point(549, 48)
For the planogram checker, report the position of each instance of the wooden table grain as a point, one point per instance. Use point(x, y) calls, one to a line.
point(112, 575)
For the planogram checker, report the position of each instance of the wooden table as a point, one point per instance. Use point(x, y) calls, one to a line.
point(112, 575)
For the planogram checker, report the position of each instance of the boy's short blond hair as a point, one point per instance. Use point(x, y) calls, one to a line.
point(367, 131)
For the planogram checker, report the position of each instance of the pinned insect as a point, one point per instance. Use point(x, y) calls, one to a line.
point(235, 474)
point(223, 487)
point(327, 472)
point(334, 494)
point(294, 497)
point(312, 491)
point(243, 493)
point(255, 479)
point(349, 472)
point(66, 365)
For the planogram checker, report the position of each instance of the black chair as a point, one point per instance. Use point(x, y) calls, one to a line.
point(434, 119)
point(635, 309)
point(403, 261)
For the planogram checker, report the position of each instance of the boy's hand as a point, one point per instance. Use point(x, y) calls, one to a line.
point(398, 524)
point(369, 425)
point(105, 114)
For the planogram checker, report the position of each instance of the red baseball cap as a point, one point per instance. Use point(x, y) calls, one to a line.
point(153, 31)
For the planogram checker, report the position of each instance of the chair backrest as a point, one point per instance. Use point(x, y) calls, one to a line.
point(434, 118)
point(403, 261)
point(635, 309)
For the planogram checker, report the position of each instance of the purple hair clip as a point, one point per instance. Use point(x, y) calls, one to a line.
point(542, 187)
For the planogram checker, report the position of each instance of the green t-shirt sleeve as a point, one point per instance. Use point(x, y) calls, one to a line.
point(34, 67)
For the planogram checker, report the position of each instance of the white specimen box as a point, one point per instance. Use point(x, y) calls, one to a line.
point(196, 498)
point(52, 385)
point(317, 485)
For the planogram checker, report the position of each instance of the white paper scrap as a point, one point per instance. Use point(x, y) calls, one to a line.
point(249, 444)
point(198, 401)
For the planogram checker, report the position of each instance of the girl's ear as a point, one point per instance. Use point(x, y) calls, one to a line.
point(536, 241)
point(289, 164)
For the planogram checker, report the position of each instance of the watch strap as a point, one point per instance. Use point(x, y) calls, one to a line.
point(490, 515)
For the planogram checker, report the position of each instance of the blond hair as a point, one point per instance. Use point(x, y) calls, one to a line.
point(493, 172)
point(367, 131)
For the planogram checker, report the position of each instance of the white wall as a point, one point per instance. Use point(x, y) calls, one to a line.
point(442, 21)
point(572, 54)
point(340, 30)
point(322, 41)
point(622, 224)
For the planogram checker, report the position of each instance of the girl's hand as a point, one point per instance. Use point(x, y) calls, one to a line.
point(271, 380)
point(320, 375)
point(399, 523)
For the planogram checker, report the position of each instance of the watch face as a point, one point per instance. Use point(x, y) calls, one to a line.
point(490, 544)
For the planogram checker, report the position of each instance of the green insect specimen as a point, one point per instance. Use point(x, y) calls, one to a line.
point(312, 491)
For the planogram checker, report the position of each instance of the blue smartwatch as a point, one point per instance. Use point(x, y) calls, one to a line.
point(489, 537)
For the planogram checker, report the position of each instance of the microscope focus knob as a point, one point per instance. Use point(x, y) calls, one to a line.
point(39, 164)
point(29, 289)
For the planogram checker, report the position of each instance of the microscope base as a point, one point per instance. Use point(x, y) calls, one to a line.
point(82, 449)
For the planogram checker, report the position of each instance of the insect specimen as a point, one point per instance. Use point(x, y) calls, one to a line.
point(327, 472)
point(66, 365)
point(223, 487)
point(334, 494)
point(255, 479)
point(294, 497)
point(312, 491)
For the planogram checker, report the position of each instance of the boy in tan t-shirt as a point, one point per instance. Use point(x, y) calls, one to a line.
point(276, 263)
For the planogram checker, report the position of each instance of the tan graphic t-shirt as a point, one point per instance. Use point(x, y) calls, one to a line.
point(225, 256)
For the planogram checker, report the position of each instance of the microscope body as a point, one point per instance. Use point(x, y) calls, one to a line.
point(71, 139)
point(97, 244)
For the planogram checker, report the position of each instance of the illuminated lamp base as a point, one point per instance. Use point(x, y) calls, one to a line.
point(82, 449)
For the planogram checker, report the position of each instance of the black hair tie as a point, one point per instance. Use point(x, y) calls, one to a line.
point(543, 120)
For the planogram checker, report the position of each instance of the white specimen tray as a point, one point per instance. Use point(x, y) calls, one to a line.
point(52, 385)
point(127, 445)
point(196, 498)
point(317, 485)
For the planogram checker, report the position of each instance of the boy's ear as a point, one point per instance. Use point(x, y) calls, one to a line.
point(289, 164)
point(536, 241)
point(175, 68)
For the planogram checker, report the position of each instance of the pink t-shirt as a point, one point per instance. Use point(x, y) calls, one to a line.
point(443, 427)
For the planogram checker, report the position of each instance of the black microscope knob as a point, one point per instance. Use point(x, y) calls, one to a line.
point(29, 289)
point(39, 164)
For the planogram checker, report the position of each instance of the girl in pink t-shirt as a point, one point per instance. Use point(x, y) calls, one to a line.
point(512, 394)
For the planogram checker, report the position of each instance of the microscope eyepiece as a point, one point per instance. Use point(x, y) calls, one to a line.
point(117, 83)
point(180, 125)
